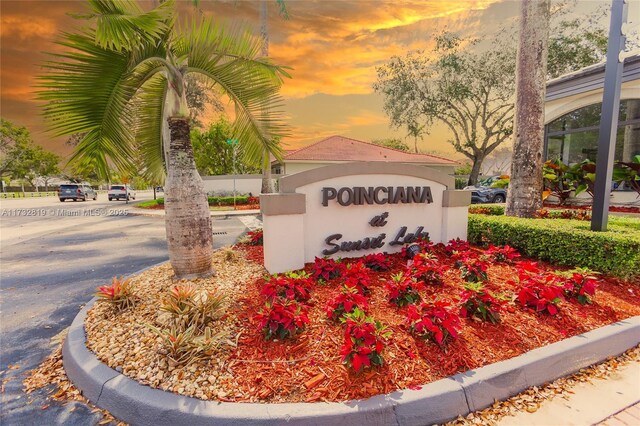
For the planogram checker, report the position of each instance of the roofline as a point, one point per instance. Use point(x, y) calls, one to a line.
point(365, 142)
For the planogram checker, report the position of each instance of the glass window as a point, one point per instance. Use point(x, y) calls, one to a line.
point(574, 137)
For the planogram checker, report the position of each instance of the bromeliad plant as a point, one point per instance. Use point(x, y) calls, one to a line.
point(356, 275)
point(364, 341)
point(376, 262)
point(476, 302)
point(345, 303)
point(403, 290)
point(503, 254)
point(183, 347)
point(189, 308)
point(292, 286)
point(434, 321)
point(282, 319)
point(325, 269)
point(427, 269)
point(119, 294)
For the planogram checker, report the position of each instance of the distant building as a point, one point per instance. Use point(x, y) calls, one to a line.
point(339, 149)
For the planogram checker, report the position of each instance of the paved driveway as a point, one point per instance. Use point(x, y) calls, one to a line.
point(52, 257)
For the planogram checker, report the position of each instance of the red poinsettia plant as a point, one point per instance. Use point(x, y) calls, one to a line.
point(364, 341)
point(473, 269)
point(403, 290)
point(292, 286)
point(345, 303)
point(377, 262)
point(356, 275)
point(282, 319)
point(256, 237)
point(427, 269)
point(433, 320)
point(325, 269)
point(580, 285)
point(457, 245)
point(503, 254)
point(541, 292)
point(478, 303)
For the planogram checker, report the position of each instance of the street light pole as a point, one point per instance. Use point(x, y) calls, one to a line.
point(609, 116)
point(234, 145)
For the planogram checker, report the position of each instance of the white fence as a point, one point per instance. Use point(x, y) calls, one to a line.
point(244, 184)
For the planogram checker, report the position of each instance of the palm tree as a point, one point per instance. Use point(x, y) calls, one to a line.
point(122, 83)
point(525, 187)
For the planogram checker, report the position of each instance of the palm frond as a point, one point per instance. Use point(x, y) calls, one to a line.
point(230, 58)
point(89, 90)
point(123, 24)
point(149, 113)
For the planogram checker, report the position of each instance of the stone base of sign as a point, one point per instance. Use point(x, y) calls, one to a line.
point(349, 200)
point(435, 402)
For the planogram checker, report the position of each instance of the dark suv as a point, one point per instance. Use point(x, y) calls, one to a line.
point(485, 192)
point(76, 191)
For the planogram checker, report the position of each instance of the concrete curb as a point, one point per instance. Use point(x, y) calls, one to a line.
point(150, 213)
point(435, 402)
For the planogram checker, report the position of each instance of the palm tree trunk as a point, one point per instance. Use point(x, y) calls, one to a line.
point(525, 187)
point(187, 218)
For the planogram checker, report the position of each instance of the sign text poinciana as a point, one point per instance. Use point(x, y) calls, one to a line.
point(379, 195)
point(350, 210)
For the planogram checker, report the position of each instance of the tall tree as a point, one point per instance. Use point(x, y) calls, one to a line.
point(267, 182)
point(392, 143)
point(136, 60)
point(469, 92)
point(213, 155)
point(524, 195)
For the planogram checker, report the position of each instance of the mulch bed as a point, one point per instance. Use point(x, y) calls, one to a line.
point(410, 362)
point(617, 209)
point(308, 367)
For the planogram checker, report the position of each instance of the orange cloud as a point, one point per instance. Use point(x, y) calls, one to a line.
point(26, 26)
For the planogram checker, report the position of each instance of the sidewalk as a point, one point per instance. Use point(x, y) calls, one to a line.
point(613, 401)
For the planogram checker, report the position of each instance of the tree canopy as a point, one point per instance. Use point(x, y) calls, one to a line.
point(213, 155)
point(21, 158)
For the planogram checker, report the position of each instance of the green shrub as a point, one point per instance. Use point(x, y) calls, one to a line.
point(151, 203)
point(228, 201)
point(461, 183)
point(488, 209)
point(566, 242)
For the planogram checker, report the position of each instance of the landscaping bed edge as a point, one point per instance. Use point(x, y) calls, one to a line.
point(435, 402)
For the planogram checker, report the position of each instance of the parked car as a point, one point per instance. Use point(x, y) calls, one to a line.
point(76, 191)
point(484, 192)
point(121, 192)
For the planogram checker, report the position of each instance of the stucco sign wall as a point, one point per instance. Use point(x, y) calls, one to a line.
point(351, 210)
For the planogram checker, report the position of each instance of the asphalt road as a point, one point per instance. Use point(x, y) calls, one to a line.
point(53, 255)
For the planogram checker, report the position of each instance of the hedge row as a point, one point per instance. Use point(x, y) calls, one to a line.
point(213, 201)
point(566, 242)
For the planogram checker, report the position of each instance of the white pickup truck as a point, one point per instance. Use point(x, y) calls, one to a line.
point(121, 192)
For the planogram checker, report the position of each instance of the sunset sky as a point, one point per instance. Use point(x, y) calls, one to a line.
point(333, 48)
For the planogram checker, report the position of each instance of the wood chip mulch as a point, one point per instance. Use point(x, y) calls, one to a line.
point(308, 368)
